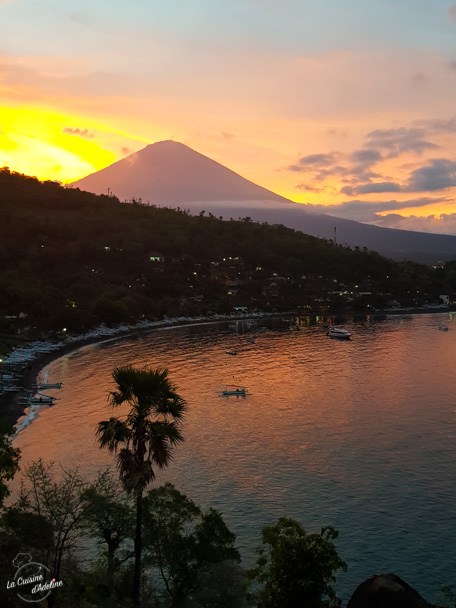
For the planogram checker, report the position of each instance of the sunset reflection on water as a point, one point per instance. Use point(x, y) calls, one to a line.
point(358, 434)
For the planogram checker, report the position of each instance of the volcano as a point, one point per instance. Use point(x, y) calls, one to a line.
point(171, 174)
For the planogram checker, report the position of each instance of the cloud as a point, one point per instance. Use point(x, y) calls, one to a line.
point(77, 131)
point(356, 174)
point(366, 156)
point(336, 170)
point(442, 224)
point(438, 126)
point(439, 175)
point(312, 162)
point(398, 141)
point(367, 212)
point(371, 188)
point(308, 188)
point(321, 166)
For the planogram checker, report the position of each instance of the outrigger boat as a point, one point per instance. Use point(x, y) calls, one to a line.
point(8, 388)
point(41, 400)
point(36, 398)
point(47, 385)
point(239, 391)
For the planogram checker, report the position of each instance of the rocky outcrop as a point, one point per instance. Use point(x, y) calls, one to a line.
point(386, 591)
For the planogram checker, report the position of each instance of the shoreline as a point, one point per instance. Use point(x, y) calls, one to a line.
point(13, 405)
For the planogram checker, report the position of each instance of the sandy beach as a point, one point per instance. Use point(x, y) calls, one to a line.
point(13, 404)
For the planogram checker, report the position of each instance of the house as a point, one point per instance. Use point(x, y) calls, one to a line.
point(156, 257)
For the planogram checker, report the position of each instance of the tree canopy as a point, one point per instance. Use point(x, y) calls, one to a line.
point(296, 569)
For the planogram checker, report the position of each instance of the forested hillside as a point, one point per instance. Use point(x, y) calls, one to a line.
point(72, 259)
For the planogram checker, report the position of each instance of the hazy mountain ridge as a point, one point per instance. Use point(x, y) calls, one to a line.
point(171, 174)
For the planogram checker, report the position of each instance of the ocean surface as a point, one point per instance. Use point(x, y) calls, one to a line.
point(358, 434)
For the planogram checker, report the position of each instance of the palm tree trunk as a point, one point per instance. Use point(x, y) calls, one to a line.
point(138, 550)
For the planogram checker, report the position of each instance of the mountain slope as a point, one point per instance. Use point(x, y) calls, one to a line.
point(170, 174)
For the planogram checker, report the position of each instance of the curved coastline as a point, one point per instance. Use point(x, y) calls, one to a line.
point(13, 404)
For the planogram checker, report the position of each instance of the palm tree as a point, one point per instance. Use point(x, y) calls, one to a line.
point(143, 438)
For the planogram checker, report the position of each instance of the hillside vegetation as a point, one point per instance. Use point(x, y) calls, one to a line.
point(73, 259)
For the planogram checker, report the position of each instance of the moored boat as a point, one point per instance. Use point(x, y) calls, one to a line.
point(229, 391)
point(337, 332)
point(47, 385)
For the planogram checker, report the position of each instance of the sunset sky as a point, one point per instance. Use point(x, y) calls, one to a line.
point(344, 104)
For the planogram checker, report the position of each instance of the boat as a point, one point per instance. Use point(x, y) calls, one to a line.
point(46, 385)
point(230, 391)
point(231, 352)
point(36, 398)
point(41, 400)
point(336, 332)
point(443, 327)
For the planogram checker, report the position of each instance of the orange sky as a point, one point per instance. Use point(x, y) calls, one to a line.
point(314, 102)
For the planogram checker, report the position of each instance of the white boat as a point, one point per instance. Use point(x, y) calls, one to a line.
point(336, 332)
point(229, 391)
point(231, 352)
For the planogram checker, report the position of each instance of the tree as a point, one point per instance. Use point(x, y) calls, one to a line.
point(110, 519)
point(49, 513)
point(9, 462)
point(185, 544)
point(450, 596)
point(142, 439)
point(48, 519)
point(297, 569)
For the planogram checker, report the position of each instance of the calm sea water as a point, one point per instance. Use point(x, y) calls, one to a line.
point(359, 435)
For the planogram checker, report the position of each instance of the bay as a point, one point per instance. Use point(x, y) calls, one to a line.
point(356, 434)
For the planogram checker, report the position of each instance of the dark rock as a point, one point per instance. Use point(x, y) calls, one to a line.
point(386, 591)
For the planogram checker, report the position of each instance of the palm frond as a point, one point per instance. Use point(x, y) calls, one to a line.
point(166, 429)
point(160, 438)
point(112, 433)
